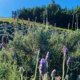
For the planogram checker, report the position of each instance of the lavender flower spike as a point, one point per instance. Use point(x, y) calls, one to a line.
point(1, 45)
point(42, 61)
point(47, 56)
point(68, 61)
point(65, 50)
point(53, 72)
point(42, 66)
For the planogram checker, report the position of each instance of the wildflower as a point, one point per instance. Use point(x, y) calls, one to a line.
point(53, 72)
point(1, 45)
point(42, 66)
point(65, 50)
point(47, 55)
point(64, 59)
point(42, 61)
point(68, 61)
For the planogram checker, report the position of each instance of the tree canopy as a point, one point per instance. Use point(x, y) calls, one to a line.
point(53, 14)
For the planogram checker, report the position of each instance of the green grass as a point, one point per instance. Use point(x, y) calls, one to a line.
point(10, 20)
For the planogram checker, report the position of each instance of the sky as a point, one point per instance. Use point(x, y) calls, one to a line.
point(7, 6)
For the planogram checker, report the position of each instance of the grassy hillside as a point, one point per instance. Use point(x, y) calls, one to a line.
point(23, 41)
point(10, 20)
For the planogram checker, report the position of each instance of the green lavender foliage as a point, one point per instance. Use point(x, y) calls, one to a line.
point(8, 67)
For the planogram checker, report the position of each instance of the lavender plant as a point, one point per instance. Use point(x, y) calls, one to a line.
point(1, 45)
point(53, 73)
point(68, 62)
point(47, 56)
point(64, 60)
point(47, 59)
point(43, 67)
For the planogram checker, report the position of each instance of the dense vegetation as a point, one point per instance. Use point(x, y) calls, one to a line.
point(20, 44)
point(53, 14)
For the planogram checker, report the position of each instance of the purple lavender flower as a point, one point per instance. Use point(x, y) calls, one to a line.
point(42, 61)
point(1, 45)
point(65, 50)
point(47, 55)
point(42, 66)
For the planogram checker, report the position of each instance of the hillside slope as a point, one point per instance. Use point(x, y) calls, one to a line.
point(11, 20)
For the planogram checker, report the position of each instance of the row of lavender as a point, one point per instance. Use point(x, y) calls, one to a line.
point(7, 30)
point(23, 58)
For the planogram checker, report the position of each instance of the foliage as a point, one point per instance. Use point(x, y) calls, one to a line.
point(54, 14)
point(21, 52)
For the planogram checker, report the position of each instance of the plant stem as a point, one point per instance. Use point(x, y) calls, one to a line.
point(36, 65)
point(63, 68)
point(21, 77)
point(52, 78)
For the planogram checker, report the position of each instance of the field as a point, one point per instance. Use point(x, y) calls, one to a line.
point(26, 46)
